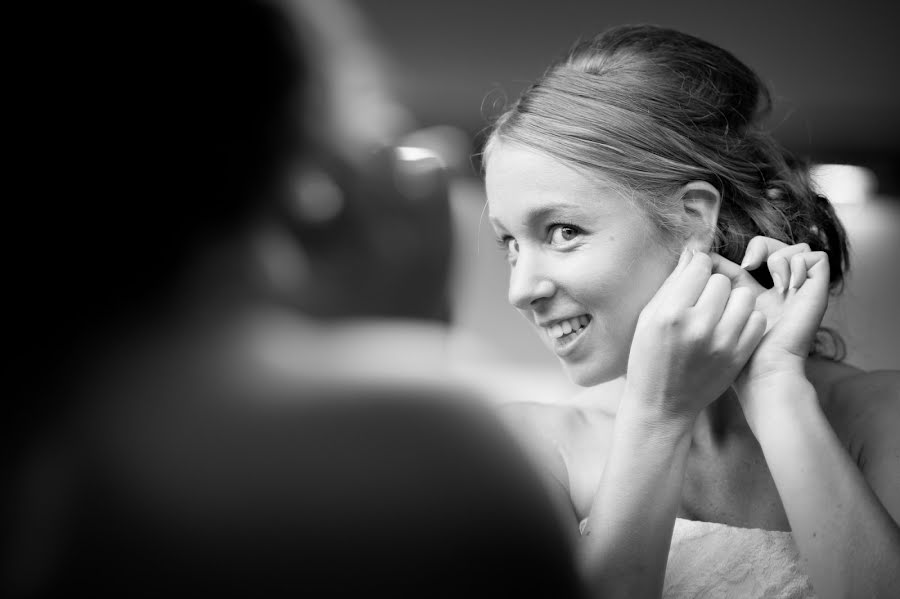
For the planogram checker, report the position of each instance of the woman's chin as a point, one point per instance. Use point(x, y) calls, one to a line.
point(590, 374)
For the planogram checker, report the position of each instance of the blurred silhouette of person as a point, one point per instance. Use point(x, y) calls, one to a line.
point(226, 378)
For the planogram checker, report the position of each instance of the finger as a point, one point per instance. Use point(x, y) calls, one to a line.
point(777, 256)
point(817, 276)
point(683, 261)
point(798, 271)
point(780, 262)
point(738, 276)
point(804, 307)
point(723, 265)
point(740, 305)
point(781, 271)
point(789, 251)
point(758, 250)
point(713, 299)
point(685, 289)
point(818, 267)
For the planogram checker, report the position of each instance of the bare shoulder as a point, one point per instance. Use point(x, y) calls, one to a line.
point(862, 407)
point(864, 410)
point(865, 396)
point(540, 423)
point(565, 421)
point(569, 440)
point(877, 384)
point(540, 429)
point(846, 391)
point(554, 433)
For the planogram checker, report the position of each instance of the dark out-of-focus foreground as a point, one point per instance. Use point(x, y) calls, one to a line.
point(230, 319)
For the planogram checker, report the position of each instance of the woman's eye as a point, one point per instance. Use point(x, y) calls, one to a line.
point(563, 234)
point(509, 244)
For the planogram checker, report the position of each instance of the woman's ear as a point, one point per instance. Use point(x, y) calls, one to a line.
point(701, 210)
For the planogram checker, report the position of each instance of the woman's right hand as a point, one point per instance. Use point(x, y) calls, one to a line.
point(691, 341)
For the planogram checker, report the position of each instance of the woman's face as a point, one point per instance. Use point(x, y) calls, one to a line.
point(583, 260)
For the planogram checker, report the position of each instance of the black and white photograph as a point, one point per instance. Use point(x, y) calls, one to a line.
point(451, 299)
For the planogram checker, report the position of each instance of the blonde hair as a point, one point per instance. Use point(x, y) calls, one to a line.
point(651, 109)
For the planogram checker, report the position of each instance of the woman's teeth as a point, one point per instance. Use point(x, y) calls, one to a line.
point(568, 326)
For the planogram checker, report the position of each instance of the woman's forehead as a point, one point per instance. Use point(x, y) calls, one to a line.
point(533, 168)
point(521, 180)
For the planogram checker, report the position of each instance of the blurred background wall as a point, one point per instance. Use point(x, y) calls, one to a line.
point(831, 63)
point(832, 68)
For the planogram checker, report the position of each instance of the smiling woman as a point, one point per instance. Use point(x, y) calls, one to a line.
point(637, 196)
point(580, 244)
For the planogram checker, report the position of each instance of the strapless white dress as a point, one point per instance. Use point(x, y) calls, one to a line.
point(711, 561)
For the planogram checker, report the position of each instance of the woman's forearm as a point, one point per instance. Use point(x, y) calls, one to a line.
point(849, 544)
point(626, 542)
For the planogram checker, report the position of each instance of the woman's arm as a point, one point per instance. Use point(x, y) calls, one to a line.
point(848, 540)
point(690, 342)
point(626, 542)
point(868, 405)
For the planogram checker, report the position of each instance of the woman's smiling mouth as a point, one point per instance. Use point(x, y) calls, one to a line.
point(563, 334)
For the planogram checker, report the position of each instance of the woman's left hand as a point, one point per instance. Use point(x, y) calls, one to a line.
point(794, 308)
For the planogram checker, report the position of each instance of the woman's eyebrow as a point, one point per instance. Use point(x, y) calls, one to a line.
point(556, 211)
point(543, 213)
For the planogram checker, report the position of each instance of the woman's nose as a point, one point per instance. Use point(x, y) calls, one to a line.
point(528, 284)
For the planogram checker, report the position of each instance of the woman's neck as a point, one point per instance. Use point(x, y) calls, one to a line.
point(720, 421)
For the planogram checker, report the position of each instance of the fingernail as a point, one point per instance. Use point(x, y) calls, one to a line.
point(745, 262)
point(779, 285)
